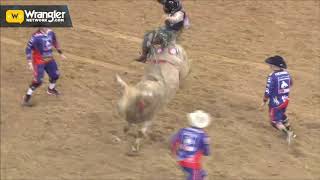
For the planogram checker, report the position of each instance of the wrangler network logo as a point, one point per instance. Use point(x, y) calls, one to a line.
point(42, 16)
point(15, 16)
point(35, 16)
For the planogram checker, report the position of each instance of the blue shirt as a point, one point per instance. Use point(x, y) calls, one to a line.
point(40, 46)
point(189, 144)
point(278, 88)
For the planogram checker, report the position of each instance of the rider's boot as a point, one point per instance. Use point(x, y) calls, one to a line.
point(143, 56)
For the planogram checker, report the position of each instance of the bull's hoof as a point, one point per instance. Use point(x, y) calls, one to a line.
point(136, 147)
point(133, 153)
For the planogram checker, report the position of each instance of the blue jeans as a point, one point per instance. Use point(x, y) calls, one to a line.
point(194, 174)
point(51, 68)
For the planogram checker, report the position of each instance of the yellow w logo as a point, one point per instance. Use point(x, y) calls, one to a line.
point(15, 16)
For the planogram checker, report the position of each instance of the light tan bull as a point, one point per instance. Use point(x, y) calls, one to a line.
point(166, 68)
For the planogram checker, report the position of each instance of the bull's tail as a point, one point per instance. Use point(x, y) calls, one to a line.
point(122, 83)
point(123, 103)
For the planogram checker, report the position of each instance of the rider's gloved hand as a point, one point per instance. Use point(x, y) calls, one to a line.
point(161, 1)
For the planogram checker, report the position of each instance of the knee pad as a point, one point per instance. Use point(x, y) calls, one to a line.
point(54, 79)
point(34, 85)
point(287, 124)
point(274, 124)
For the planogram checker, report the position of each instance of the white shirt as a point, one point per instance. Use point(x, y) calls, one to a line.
point(176, 17)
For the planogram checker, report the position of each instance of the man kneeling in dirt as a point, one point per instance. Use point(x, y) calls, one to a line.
point(190, 143)
point(277, 92)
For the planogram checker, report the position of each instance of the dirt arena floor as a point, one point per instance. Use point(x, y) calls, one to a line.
point(72, 137)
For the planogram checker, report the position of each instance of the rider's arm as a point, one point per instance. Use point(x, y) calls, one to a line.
point(269, 88)
point(206, 145)
point(56, 43)
point(29, 48)
point(162, 1)
point(174, 142)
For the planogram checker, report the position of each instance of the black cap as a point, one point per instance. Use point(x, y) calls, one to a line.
point(277, 61)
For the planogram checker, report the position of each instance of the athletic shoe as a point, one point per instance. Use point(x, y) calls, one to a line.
point(53, 92)
point(290, 135)
point(26, 100)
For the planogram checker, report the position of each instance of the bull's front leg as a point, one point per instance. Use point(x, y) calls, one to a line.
point(127, 128)
point(145, 128)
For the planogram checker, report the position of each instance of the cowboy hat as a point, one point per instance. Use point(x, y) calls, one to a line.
point(277, 61)
point(199, 119)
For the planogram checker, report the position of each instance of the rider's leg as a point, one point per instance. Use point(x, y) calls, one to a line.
point(146, 46)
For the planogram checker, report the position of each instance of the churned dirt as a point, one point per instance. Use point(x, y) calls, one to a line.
point(74, 136)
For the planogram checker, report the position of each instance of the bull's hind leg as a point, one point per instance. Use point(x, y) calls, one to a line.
point(141, 135)
point(133, 137)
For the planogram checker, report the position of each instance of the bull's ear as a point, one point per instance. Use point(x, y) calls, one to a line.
point(123, 84)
